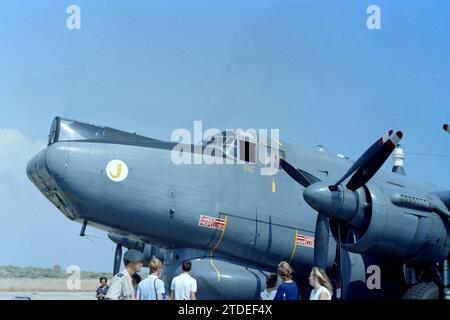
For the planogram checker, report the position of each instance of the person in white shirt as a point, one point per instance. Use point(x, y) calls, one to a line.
point(318, 279)
point(184, 287)
point(152, 288)
point(271, 285)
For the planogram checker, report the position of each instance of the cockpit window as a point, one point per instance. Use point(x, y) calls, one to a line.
point(71, 130)
point(243, 148)
point(53, 135)
point(247, 151)
point(222, 144)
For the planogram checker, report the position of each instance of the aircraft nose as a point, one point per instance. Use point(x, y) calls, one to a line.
point(48, 163)
point(57, 160)
point(47, 171)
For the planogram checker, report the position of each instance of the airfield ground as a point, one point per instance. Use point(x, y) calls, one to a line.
point(10, 295)
point(46, 289)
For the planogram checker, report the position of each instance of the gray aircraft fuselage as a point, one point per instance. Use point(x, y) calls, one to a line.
point(160, 203)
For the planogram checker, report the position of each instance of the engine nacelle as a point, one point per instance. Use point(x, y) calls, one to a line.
point(412, 235)
point(218, 278)
point(149, 251)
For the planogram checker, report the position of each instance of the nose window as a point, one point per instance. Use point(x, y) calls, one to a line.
point(69, 130)
point(73, 130)
point(53, 135)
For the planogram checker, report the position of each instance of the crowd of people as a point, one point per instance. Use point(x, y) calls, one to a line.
point(128, 285)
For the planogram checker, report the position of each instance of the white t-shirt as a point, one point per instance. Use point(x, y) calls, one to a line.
point(315, 295)
point(268, 295)
point(182, 286)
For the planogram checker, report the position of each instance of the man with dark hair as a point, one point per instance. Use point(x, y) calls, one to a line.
point(121, 287)
point(186, 266)
point(271, 288)
point(135, 279)
point(184, 287)
point(103, 289)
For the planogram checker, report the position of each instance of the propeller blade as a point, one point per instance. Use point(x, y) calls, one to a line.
point(117, 259)
point(338, 260)
point(365, 156)
point(302, 177)
point(374, 162)
point(446, 128)
point(321, 242)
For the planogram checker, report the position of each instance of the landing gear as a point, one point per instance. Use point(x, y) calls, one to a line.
point(117, 259)
point(422, 291)
point(430, 283)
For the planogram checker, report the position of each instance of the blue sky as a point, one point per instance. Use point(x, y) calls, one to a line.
point(310, 68)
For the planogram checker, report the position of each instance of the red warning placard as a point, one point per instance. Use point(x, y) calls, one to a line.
point(305, 241)
point(211, 222)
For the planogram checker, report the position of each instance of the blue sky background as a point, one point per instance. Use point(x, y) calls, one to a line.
point(310, 68)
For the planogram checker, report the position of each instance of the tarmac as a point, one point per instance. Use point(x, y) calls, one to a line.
point(10, 295)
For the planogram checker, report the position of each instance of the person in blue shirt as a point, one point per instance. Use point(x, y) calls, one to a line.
point(287, 290)
point(152, 288)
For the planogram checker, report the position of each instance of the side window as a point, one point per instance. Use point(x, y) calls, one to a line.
point(230, 148)
point(247, 151)
point(221, 146)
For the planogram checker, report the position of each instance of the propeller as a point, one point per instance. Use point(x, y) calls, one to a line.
point(322, 233)
point(377, 151)
point(302, 177)
point(321, 240)
point(338, 260)
point(334, 202)
point(446, 128)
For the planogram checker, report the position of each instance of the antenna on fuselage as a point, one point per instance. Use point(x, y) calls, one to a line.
point(83, 228)
point(398, 156)
point(88, 236)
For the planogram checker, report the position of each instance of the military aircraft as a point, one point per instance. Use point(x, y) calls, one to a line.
point(236, 225)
